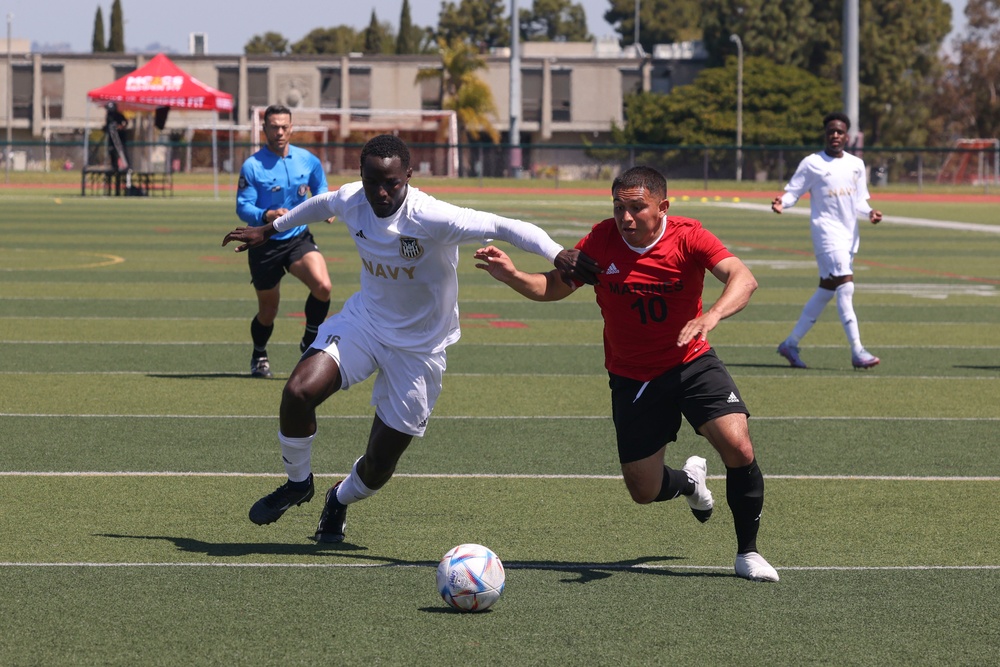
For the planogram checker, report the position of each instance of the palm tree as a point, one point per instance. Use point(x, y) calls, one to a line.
point(462, 91)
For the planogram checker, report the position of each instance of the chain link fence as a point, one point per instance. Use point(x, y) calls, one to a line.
point(713, 165)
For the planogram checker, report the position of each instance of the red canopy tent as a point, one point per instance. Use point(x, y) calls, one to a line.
point(160, 83)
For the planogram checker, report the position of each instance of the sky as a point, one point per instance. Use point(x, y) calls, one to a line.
point(164, 25)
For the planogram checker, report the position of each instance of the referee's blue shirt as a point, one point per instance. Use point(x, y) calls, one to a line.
point(269, 182)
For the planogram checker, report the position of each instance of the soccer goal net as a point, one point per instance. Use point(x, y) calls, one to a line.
point(336, 136)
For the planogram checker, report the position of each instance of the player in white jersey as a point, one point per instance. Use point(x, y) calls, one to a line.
point(397, 325)
point(838, 194)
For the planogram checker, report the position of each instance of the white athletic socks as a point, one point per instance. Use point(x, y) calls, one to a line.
point(845, 306)
point(297, 455)
point(352, 489)
point(810, 313)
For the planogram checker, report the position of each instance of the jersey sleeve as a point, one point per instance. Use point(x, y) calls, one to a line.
point(317, 178)
point(455, 224)
point(798, 185)
point(314, 209)
point(707, 248)
point(862, 205)
point(246, 198)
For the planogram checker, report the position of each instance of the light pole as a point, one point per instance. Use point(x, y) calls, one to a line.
point(516, 164)
point(10, 100)
point(635, 38)
point(739, 106)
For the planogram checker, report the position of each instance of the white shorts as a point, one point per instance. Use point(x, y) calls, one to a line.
point(835, 263)
point(408, 383)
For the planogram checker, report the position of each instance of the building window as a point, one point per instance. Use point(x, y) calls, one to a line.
point(359, 87)
point(531, 95)
point(23, 82)
point(329, 88)
point(53, 86)
point(561, 97)
point(631, 84)
point(430, 94)
point(257, 87)
point(229, 82)
point(123, 70)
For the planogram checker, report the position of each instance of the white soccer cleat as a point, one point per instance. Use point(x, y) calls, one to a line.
point(701, 501)
point(752, 566)
point(791, 353)
point(864, 359)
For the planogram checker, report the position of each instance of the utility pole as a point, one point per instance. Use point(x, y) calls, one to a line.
point(10, 99)
point(850, 74)
point(739, 106)
point(515, 92)
point(635, 36)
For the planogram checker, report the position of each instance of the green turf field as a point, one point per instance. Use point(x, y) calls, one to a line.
point(133, 442)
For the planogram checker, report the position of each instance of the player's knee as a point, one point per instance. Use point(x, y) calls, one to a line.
point(322, 290)
point(298, 393)
point(642, 494)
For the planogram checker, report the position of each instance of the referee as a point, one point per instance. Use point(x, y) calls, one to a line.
point(274, 180)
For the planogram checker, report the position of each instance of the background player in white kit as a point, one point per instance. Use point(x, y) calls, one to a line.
point(398, 324)
point(838, 192)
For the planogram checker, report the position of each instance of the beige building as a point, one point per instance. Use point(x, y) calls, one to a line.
point(570, 92)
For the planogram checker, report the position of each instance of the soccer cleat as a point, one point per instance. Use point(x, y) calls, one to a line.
point(752, 566)
point(864, 359)
point(333, 520)
point(701, 501)
point(260, 367)
point(270, 508)
point(791, 353)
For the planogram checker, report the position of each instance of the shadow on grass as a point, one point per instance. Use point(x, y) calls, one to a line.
point(578, 573)
point(200, 376)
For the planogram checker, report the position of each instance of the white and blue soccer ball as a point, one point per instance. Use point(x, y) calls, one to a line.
point(470, 577)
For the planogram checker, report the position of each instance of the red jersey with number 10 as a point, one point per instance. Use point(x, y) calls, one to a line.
point(646, 299)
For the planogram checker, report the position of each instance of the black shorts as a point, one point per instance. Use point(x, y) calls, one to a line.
point(647, 415)
point(270, 262)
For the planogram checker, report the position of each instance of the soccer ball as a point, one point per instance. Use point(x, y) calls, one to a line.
point(470, 577)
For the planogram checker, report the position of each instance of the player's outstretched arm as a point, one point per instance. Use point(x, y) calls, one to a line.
point(776, 205)
point(250, 236)
point(535, 286)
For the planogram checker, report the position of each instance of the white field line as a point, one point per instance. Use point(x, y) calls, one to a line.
point(35, 415)
point(518, 566)
point(339, 475)
point(889, 219)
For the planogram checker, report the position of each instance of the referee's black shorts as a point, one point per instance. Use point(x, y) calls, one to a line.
point(647, 415)
point(270, 262)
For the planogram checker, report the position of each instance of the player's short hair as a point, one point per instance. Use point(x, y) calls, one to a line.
point(644, 177)
point(386, 146)
point(837, 115)
point(276, 110)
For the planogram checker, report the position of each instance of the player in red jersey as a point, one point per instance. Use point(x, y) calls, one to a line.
point(656, 351)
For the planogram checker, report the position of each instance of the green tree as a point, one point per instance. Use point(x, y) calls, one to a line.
point(660, 21)
point(97, 43)
point(484, 23)
point(339, 40)
point(410, 38)
point(462, 90)
point(378, 37)
point(782, 106)
point(967, 99)
point(899, 65)
point(270, 43)
point(116, 37)
point(554, 21)
point(783, 30)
